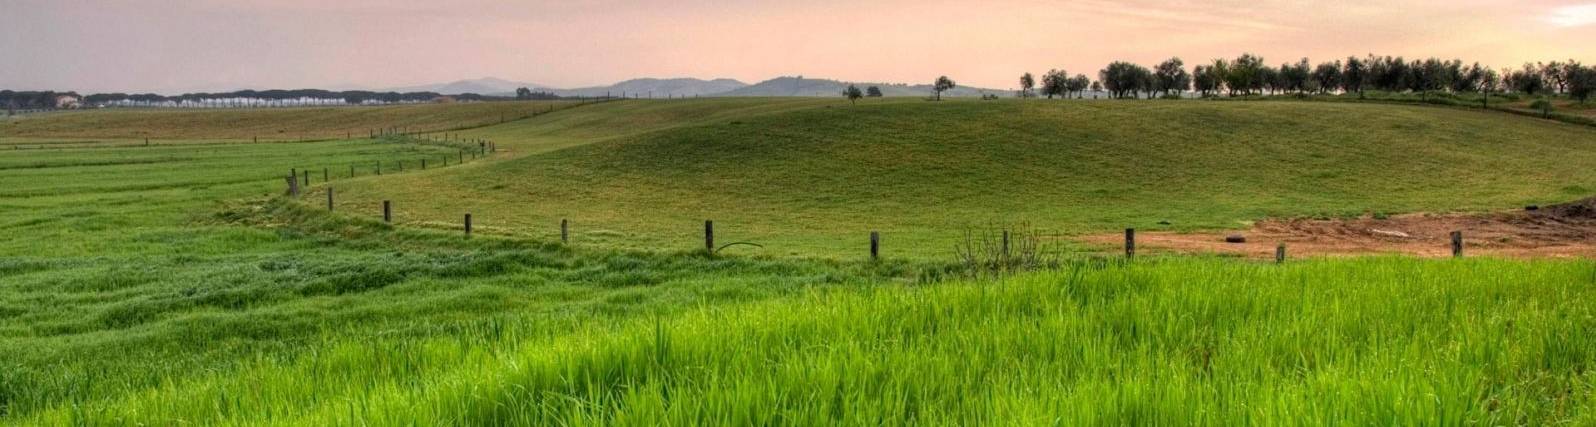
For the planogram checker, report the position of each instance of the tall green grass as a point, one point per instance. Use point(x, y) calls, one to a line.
point(1184, 341)
point(171, 285)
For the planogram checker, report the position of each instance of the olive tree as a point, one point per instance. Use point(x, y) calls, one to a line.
point(943, 84)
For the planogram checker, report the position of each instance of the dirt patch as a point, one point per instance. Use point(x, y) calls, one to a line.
point(1565, 230)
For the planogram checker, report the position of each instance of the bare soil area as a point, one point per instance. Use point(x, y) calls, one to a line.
point(1565, 230)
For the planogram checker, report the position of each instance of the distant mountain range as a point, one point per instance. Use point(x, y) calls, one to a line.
point(677, 87)
point(482, 86)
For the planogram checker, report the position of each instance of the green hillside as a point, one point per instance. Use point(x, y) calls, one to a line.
point(173, 284)
point(814, 177)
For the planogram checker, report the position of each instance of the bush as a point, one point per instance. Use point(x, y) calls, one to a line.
point(1002, 252)
point(1542, 105)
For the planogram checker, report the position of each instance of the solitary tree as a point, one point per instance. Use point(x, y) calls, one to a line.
point(523, 93)
point(1026, 83)
point(943, 84)
point(853, 93)
point(873, 92)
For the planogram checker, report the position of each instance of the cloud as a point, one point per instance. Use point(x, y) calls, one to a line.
point(1573, 16)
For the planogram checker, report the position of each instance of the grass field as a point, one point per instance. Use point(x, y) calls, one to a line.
point(171, 284)
point(272, 124)
point(814, 177)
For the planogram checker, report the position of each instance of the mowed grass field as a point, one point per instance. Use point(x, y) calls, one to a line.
point(815, 177)
point(266, 124)
point(172, 285)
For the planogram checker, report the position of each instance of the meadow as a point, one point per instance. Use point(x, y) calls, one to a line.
point(813, 178)
point(174, 284)
point(269, 124)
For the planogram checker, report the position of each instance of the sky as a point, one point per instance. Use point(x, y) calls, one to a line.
point(170, 46)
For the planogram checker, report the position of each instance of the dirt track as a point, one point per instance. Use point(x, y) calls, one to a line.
point(1567, 230)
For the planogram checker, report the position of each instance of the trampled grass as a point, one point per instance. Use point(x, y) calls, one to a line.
point(814, 177)
point(271, 124)
point(1205, 342)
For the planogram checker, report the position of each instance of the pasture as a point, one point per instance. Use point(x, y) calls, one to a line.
point(267, 124)
point(175, 284)
point(813, 178)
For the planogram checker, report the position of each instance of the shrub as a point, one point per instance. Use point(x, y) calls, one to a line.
point(1542, 105)
point(990, 252)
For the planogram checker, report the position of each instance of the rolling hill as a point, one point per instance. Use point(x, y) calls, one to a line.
point(800, 86)
point(480, 86)
point(174, 284)
point(660, 88)
point(813, 177)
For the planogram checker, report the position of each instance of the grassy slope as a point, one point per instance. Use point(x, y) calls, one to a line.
point(135, 266)
point(814, 180)
point(1355, 342)
point(143, 289)
point(266, 124)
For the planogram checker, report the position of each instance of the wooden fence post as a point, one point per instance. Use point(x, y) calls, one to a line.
point(307, 177)
point(1130, 243)
point(1457, 244)
point(875, 245)
point(351, 171)
point(329, 199)
point(1005, 251)
point(387, 212)
point(709, 236)
point(423, 164)
point(1280, 254)
point(325, 175)
point(379, 167)
point(468, 225)
point(565, 231)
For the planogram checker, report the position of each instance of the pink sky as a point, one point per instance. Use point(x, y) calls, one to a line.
point(172, 46)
